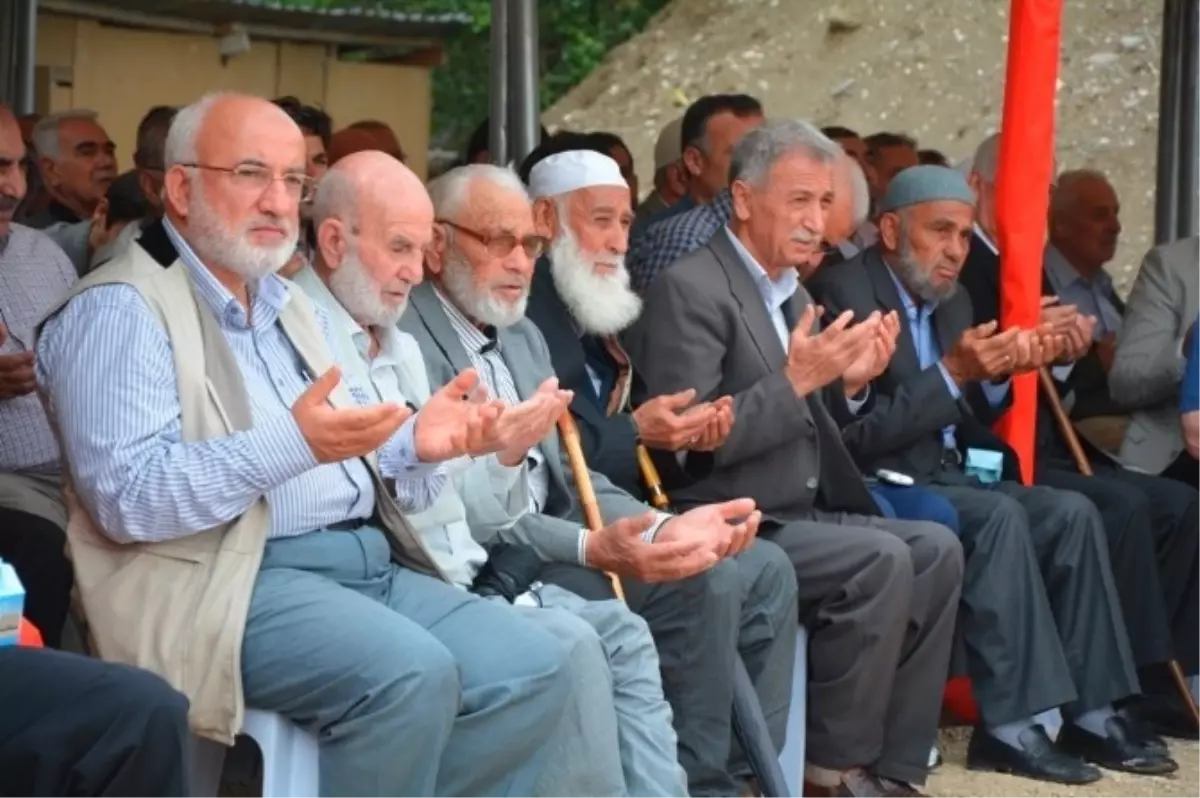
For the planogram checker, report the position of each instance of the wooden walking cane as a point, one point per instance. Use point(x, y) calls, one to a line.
point(583, 483)
point(1085, 467)
point(653, 481)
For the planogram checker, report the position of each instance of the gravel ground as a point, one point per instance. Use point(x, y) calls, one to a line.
point(931, 68)
point(953, 780)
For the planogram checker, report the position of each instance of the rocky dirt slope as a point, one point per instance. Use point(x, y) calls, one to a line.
point(931, 68)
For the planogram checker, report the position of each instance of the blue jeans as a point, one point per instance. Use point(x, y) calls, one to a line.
point(915, 504)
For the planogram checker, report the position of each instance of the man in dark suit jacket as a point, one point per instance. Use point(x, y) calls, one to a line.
point(1034, 638)
point(580, 300)
point(1152, 523)
point(719, 322)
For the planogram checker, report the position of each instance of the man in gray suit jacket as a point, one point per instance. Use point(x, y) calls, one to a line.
point(1042, 620)
point(1158, 324)
point(705, 586)
point(878, 595)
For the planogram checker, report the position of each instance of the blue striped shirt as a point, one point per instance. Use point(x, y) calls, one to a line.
point(105, 364)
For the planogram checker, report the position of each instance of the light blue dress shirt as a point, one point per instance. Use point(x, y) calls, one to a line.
point(105, 363)
point(1090, 297)
point(929, 354)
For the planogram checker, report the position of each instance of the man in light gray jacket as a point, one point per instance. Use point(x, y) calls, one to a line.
point(616, 736)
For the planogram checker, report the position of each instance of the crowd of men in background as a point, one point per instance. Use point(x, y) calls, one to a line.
point(306, 405)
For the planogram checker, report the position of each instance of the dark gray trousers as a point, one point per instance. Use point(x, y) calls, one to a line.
point(70, 725)
point(879, 597)
point(745, 606)
point(1040, 618)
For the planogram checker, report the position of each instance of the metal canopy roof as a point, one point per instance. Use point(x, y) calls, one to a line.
point(268, 19)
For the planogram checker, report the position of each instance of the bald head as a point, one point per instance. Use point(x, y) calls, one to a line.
point(851, 200)
point(374, 222)
point(12, 174)
point(234, 182)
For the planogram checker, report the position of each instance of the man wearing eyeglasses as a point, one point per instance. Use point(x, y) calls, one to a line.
point(470, 312)
point(240, 522)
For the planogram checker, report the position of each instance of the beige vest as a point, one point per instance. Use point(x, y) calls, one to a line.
point(179, 608)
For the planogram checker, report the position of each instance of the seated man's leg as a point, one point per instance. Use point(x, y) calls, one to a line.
point(388, 700)
point(871, 684)
point(879, 494)
point(1128, 527)
point(917, 503)
point(648, 745)
point(76, 726)
point(36, 548)
point(695, 628)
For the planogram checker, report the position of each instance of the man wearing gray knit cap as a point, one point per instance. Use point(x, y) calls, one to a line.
point(1040, 618)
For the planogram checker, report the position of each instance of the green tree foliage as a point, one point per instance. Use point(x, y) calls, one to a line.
point(574, 36)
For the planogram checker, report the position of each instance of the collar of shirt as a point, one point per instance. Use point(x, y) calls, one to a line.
point(268, 298)
point(1062, 273)
point(911, 308)
point(473, 339)
point(985, 238)
point(774, 292)
point(865, 236)
point(722, 205)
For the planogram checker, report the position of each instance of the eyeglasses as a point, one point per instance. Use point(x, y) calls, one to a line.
point(499, 246)
point(254, 178)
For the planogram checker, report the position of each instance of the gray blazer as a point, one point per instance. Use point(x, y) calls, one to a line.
point(1149, 363)
point(704, 326)
point(553, 533)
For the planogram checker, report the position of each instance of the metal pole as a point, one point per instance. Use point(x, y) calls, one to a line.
point(498, 91)
point(1186, 223)
point(28, 57)
point(1166, 180)
point(524, 100)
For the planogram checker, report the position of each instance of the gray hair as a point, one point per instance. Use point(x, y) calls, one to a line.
point(45, 132)
point(987, 158)
point(760, 149)
point(861, 196)
point(336, 195)
point(448, 192)
point(1063, 195)
point(185, 129)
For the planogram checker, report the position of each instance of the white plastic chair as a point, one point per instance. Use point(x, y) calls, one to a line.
point(289, 754)
point(792, 758)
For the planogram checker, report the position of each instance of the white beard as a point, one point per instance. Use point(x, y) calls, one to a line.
point(216, 244)
point(602, 304)
point(478, 303)
point(358, 293)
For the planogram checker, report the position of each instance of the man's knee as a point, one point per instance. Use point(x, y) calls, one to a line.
point(146, 695)
point(771, 577)
point(1076, 515)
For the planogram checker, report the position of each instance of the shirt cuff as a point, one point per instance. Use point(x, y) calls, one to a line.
point(581, 551)
point(398, 458)
point(502, 477)
point(659, 520)
point(1062, 373)
point(995, 393)
point(951, 385)
point(281, 451)
point(857, 403)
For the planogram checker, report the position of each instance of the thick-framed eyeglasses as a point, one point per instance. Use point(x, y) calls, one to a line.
point(255, 178)
point(500, 245)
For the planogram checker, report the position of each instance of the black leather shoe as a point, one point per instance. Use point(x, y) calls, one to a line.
point(1115, 751)
point(1037, 758)
point(1163, 715)
point(1143, 734)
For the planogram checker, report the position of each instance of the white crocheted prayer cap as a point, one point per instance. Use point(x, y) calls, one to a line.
point(565, 172)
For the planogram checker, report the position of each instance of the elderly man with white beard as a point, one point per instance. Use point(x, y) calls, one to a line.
point(581, 300)
point(240, 524)
point(373, 220)
point(470, 312)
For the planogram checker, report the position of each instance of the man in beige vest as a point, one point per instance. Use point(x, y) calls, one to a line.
point(374, 220)
point(238, 528)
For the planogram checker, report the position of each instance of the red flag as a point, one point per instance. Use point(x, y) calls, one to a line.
point(1022, 193)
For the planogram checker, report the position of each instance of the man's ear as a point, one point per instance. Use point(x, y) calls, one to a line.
point(889, 231)
point(741, 194)
point(435, 253)
point(176, 182)
point(332, 242)
point(975, 181)
point(693, 161)
point(48, 169)
point(545, 217)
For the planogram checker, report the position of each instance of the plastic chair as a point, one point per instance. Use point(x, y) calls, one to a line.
point(289, 754)
point(792, 758)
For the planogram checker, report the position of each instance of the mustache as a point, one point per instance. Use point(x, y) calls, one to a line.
point(8, 203)
point(806, 237)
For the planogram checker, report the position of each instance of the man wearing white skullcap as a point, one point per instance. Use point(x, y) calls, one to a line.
point(581, 300)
